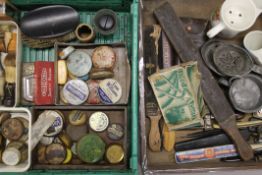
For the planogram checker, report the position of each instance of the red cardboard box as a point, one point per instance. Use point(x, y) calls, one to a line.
point(45, 83)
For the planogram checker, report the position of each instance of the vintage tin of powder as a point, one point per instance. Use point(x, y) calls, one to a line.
point(115, 154)
point(110, 91)
point(115, 131)
point(98, 121)
point(75, 92)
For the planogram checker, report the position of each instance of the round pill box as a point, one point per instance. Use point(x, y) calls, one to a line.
point(98, 121)
point(75, 92)
point(109, 91)
point(79, 63)
point(104, 57)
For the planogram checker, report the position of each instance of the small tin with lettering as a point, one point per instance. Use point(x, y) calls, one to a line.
point(110, 91)
point(75, 92)
point(77, 117)
point(57, 126)
point(98, 121)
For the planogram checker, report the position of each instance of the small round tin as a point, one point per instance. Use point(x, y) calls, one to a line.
point(79, 63)
point(12, 129)
point(98, 121)
point(57, 126)
point(91, 148)
point(75, 92)
point(115, 154)
point(55, 154)
point(76, 132)
point(11, 156)
point(66, 52)
point(104, 57)
point(93, 97)
point(115, 131)
point(109, 91)
point(77, 117)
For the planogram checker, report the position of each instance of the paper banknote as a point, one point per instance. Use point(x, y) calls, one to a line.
point(178, 94)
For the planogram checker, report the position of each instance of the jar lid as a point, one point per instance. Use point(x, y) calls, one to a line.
point(115, 154)
point(115, 131)
point(75, 92)
point(57, 126)
point(11, 156)
point(79, 63)
point(77, 117)
point(110, 91)
point(55, 154)
point(90, 148)
point(104, 57)
point(12, 129)
point(98, 121)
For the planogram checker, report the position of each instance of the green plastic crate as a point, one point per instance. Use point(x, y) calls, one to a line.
point(127, 11)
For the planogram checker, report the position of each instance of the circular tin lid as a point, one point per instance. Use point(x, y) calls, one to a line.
point(109, 91)
point(77, 117)
point(98, 121)
point(75, 92)
point(91, 148)
point(12, 129)
point(115, 154)
point(232, 60)
point(246, 93)
point(115, 131)
point(104, 57)
point(79, 63)
point(57, 126)
point(11, 156)
point(55, 154)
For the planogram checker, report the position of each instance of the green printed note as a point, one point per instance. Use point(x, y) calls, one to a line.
point(178, 93)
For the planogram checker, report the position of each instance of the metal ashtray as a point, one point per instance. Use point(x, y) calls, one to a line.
point(234, 61)
point(246, 93)
point(207, 51)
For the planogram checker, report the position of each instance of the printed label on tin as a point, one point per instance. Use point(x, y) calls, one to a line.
point(109, 91)
point(98, 121)
point(56, 127)
point(206, 154)
point(76, 92)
